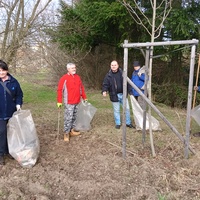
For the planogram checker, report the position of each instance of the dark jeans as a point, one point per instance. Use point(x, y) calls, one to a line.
point(3, 137)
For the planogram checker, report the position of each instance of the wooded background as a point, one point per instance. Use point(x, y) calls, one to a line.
point(48, 34)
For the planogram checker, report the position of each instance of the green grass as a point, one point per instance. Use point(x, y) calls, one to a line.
point(36, 92)
point(161, 197)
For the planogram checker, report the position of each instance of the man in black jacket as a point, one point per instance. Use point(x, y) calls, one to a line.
point(113, 84)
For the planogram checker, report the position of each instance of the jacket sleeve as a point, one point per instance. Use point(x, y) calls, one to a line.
point(19, 95)
point(60, 90)
point(106, 84)
point(142, 77)
point(132, 77)
point(83, 94)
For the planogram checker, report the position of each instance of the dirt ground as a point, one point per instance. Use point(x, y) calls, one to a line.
point(91, 166)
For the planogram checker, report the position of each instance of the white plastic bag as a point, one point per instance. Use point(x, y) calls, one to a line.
point(23, 142)
point(195, 113)
point(85, 115)
point(138, 117)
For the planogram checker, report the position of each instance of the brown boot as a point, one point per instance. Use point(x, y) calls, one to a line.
point(74, 133)
point(66, 137)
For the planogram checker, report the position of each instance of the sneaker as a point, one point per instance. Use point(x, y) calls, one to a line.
point(2, 161)
point(74, 133)
point(66, 137)
point(130, 126)
point(117, 126)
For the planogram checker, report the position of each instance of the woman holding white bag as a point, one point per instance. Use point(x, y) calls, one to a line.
point(11, 99)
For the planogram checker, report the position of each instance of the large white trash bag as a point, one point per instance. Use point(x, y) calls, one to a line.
point(138, 117)
point(85, 115)
point(195, 113)
point(23, 142)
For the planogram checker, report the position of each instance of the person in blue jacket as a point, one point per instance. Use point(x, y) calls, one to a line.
point(11, 98)
point(196, 88)
point(138, 79)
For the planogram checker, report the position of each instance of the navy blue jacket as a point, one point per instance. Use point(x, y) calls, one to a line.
point(8, 103)
point(109, 85)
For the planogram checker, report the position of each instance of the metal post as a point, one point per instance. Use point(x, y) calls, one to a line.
point(189, 101)
point(127, 45)
point(124, 100)
point(145, 93)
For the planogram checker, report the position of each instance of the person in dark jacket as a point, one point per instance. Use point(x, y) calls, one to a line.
point(138, 79)
point(11, 97)
point(113, 84)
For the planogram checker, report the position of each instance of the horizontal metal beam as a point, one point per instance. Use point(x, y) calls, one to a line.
point(148, 44)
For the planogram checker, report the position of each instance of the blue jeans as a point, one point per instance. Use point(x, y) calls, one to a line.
point(116, 107)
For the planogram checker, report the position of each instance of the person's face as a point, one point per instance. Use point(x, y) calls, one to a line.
point(3, 73)
point(72, 70)
point(114, 66)
point(136, 68)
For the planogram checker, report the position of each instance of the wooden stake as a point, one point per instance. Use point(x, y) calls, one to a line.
point(196, 84)
point(58, 131)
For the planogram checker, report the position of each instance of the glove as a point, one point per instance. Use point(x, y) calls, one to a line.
point(196, 88)
point(139, 74)
point(141, 71)
point(59, 105)
point(18, 107)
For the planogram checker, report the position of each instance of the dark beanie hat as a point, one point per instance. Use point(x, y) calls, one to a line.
point(3, 65)
point(136, 63)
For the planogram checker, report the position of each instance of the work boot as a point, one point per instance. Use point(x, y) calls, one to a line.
point(117, 126)
point(130, 126)
point(66, 137)
point(2, 162)
point(74, 133)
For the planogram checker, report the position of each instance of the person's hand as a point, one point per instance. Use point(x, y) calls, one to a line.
point(59, 105)
point(139, 74)
point(141, 71)
point(18, 107)
point(104, 94)
point(196, 88)
point(85, 100)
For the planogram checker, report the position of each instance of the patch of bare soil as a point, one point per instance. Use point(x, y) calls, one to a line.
point(91, 166)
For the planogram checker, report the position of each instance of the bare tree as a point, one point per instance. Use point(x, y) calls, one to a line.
point(139, 16)
point(20, 19)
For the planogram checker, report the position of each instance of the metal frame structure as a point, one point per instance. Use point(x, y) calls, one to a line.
point(126, 46)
